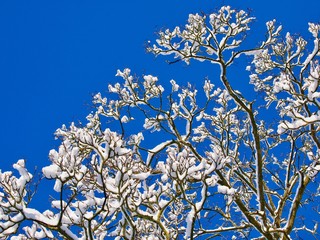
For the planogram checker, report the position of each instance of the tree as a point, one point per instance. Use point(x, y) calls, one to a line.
point(218, 166)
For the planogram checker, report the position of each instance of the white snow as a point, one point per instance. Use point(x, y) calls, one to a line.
point(157, 149)
point(124, 119)
point(51, 171)
point(189, 220)
point(34, 214)
point(226, 190)
point(297, 123)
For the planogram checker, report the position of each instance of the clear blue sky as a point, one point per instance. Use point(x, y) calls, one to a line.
point(55, 54)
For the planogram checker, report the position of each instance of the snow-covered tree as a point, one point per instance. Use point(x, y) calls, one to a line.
point(204, 163)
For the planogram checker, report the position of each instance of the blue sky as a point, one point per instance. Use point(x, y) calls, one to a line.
point(55, 54)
